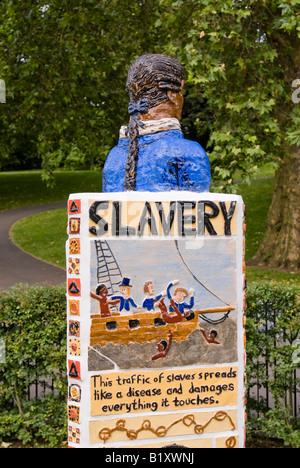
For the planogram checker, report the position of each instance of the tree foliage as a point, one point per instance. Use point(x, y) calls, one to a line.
point(244, 56)
point(65, 65)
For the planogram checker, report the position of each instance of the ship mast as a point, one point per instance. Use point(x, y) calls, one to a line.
point(108, 270)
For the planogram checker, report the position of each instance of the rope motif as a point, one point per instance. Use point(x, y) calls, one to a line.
point(162, 431)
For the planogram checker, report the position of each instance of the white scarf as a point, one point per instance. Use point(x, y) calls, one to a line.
point(155, 126)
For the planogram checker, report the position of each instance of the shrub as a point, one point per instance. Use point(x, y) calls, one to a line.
point(272, 330)
point(33, 329)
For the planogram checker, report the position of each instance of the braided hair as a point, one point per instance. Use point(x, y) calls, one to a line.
point(149, 79)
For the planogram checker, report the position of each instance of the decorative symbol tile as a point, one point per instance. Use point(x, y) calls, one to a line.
point(74, 307)
point(74, 207)
point(74, 225)
point(74, 246)
point(74, 266)
point(74, 287)
point(75, 393)
point(74, 328)
point(73, 413)
point(74, 369)
point(74, 347)
point(74, 435)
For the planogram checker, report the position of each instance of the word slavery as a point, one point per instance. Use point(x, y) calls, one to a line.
point(175, 218)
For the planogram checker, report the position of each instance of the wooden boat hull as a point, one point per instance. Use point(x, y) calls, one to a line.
point(143, 327)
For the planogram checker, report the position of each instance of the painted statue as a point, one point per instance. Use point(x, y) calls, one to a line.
point(152, 153)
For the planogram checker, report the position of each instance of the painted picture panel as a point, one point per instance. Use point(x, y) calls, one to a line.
point(158, 333)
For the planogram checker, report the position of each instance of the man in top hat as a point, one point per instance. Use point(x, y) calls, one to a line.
point(125, 299)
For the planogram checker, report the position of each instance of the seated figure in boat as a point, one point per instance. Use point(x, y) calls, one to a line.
point(180, 294)
point(125, 300)
point(152, 153)
point(104, 302)
point(150, 300)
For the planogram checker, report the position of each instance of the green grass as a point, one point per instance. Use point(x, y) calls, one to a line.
point(266, 170)
point(257, 198)
point(262, 275)
point(26, 188)
point(43, 235)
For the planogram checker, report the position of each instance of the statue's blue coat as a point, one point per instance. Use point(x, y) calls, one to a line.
point(167, 161)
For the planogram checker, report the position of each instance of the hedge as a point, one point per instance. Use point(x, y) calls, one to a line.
point(33, 329)
point(273, 357)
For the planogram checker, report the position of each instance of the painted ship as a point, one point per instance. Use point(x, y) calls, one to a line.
point(144, 326)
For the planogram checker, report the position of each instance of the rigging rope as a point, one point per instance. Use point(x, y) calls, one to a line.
point(215, 322)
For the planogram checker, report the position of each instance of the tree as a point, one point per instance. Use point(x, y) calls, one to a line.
point(65, 64)
point(244, 56)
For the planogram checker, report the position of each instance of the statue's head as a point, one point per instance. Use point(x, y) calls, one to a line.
point(154, 84)
point(155, 77)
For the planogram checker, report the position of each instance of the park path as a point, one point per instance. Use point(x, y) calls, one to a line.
point(15, 265)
